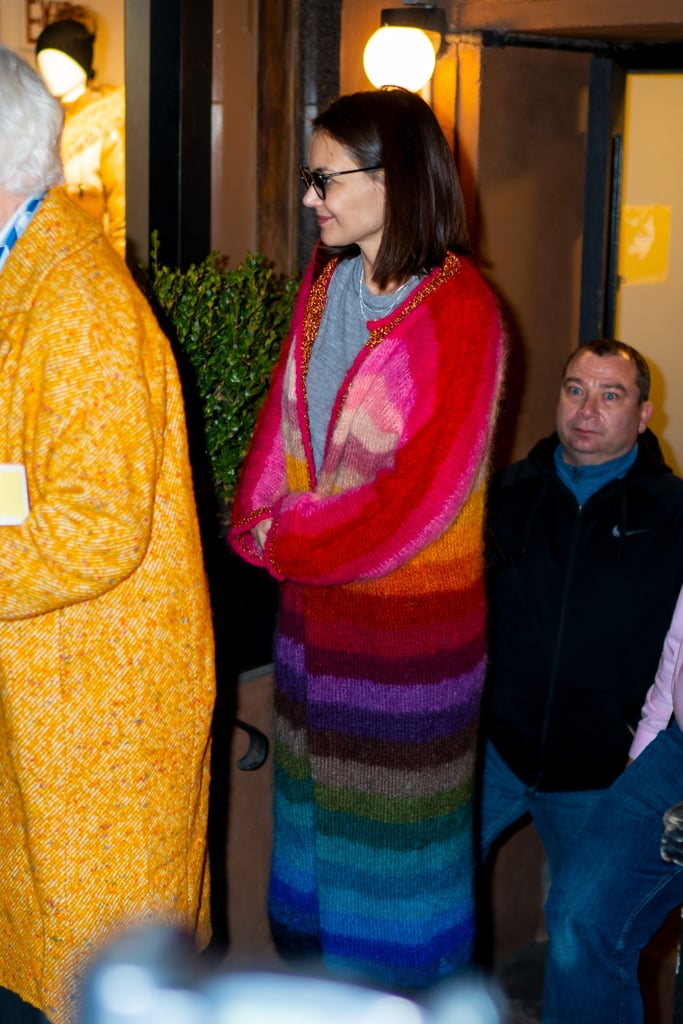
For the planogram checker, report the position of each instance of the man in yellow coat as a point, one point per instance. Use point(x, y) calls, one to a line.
point(106, 648)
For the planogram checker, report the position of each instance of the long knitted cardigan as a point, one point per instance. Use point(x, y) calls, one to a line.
point(380, 649)
point(106, 648)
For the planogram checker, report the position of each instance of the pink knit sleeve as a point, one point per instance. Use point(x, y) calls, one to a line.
point(667, 689)
point(263, 478)
point(264, 475)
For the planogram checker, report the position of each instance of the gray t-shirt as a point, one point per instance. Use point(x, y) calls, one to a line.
point(342, 334)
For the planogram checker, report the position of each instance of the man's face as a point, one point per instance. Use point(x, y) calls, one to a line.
point(598, 415)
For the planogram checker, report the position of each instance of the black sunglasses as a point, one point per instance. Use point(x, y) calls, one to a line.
point(318, 180)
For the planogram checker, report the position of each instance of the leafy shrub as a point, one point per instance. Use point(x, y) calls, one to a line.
point(229, 325)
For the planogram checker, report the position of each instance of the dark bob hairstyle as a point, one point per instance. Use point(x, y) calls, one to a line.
point(424, 210)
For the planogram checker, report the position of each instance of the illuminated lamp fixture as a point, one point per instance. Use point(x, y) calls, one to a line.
point(403, 50)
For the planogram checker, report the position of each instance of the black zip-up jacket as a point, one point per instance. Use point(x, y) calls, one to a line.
point(580, 599)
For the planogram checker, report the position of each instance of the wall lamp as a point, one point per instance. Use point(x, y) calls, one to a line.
point(404, 49)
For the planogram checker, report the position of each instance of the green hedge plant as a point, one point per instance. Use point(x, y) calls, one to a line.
point(229, 325)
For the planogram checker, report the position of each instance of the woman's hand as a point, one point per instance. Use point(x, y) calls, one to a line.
point(260, 532)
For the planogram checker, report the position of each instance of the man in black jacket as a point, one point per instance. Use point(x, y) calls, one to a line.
point(585, 566)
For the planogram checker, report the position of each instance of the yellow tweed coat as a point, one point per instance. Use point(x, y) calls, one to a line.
point(106, 648)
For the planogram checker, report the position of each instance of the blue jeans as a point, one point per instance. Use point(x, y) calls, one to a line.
point(559, 817)
point(14, 1010)
point(613, 893)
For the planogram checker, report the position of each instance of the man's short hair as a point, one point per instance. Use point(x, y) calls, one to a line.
point(611, 347)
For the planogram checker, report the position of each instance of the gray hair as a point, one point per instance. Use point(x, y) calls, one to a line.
point(31, 123)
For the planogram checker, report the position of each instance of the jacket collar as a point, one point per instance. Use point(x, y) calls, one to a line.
point(649, 461)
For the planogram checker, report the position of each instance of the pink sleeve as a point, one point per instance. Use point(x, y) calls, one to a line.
point(659, 702)
point(263, 478)
point(264, 475)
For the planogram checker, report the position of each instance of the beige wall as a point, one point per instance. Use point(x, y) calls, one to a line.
point(530, 186)
point(650, 313)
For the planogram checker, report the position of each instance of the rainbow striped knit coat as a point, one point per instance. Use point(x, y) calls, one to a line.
point(380, 650)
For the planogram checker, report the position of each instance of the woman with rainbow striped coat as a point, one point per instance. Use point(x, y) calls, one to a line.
point(363, 493)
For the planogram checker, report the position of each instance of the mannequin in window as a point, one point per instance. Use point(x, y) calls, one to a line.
point(93, 143)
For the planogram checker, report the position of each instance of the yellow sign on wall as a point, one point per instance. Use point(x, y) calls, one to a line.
point(644, 244)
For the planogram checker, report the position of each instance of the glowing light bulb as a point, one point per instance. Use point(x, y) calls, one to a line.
point(399, 56)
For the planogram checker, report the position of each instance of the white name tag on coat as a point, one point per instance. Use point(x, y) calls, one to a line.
point(13, 494)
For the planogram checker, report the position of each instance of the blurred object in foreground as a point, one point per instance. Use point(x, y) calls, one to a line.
point(153, 976)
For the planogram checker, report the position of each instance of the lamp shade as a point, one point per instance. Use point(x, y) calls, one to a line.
point(399, 56)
